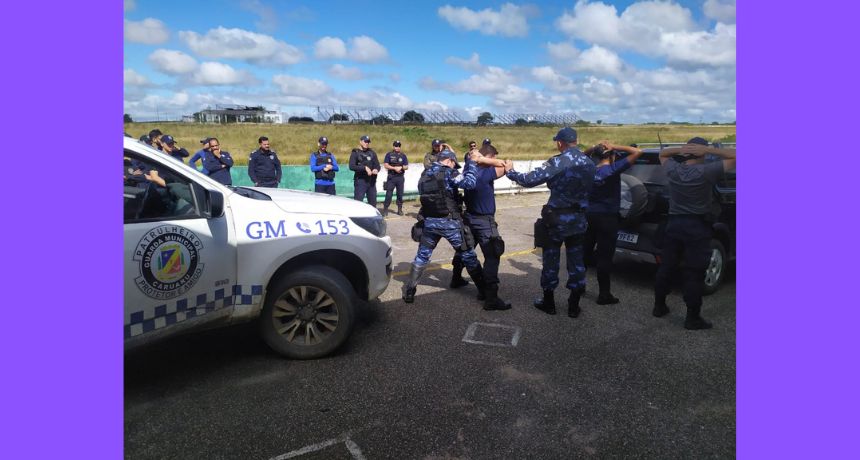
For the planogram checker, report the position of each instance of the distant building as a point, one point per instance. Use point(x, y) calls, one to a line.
point(238, 114)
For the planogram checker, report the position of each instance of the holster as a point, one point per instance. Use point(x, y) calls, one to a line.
point(417, 231)
point(541, 233)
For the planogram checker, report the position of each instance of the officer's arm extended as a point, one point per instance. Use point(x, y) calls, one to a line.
point(540, 174)
point(467, 180)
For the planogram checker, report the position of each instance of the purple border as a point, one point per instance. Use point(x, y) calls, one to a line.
point(797, 339)
point(62, 343)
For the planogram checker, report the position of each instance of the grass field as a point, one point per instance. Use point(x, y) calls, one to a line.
point(294, 142)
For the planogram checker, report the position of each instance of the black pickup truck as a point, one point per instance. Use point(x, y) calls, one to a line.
point(645, 207)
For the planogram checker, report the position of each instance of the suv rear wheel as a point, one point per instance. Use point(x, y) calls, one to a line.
point(309, 313)
point(716, 270)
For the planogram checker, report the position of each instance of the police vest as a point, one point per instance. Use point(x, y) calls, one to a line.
point(326, 159)
point(436, 200)
point(395, 159)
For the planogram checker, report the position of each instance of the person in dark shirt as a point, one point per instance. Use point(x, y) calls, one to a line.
point(689, 227)
point(264, 167)
point(324, 166)
point(430, 157)
point(218, 163)
point(365, 163)
point(604, 204)
point(396, 163)
point(170, 148)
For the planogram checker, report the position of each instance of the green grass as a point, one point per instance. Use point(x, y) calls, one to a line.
point(294, 142)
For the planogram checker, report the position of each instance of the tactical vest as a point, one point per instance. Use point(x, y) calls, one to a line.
point(436, 200)
point(395, 159)
point(327, 175)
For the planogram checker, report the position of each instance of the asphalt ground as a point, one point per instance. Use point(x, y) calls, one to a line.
point(615, 382)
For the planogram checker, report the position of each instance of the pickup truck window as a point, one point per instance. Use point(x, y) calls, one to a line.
point(152, 191)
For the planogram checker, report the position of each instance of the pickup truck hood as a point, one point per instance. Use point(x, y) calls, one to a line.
point(299, 201)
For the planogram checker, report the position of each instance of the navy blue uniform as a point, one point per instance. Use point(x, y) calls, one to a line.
point(395, 180)
point(364, 184)
point(323, 180)
point(200, 155)
point(179, 153)
point(604, 203)
point(219, 168)
point(569, 176)
point(480, 220)
point(264, 168)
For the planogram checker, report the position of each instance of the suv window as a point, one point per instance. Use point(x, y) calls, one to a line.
point(152, 192)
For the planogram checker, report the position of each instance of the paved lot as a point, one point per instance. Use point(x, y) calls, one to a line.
point(615, 382)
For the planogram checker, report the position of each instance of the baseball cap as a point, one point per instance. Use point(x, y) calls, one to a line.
point(323, 140)
point(365, 138)
point(205, 140)
point(436, 142)
point(446, 154)
point(145, 138)
point(487, 141)
point(566, 134)
point(697, 140)
point(167, 139)
point(396, 143)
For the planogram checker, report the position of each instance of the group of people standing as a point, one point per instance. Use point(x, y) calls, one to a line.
point(582, 212)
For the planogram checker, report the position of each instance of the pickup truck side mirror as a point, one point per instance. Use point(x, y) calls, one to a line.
point(215, 204)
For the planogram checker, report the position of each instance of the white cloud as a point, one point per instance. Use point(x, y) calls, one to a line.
point(491, 81)
point(223, 43)
point(301, 87)
point(346, 73)
point(172, 62)
point(150, 31)
point(562, 51)
point(128, 5)
point(132, 78)
point(652, 28)
point(510, 21)
point(553, 80)
point(361, 49)
point(330, 48)
point(366, 49)
point(599, 60)
point(216, 73)
point(268, 17)
point(721, 10)
point(473, 64)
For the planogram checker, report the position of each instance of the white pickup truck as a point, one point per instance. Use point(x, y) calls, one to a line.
point(199, 254)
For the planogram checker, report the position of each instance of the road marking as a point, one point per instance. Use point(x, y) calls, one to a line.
point(351, 446)
point(448, 266)
point(470, 335)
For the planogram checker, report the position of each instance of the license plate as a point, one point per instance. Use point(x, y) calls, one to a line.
point(628, 237)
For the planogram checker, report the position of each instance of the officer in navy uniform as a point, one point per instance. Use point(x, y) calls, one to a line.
point(170, 148)
point(430, 157)
point(481, 222)
point(690, 224)
point(604, 204)
point(396, 163)
point(364, 162)
point(569, 176)
point(442, 219)
point(264, 167)
point(218, 163)
point(200, 155)
point(324, 166)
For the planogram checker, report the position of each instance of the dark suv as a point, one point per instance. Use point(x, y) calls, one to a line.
point(645, 207)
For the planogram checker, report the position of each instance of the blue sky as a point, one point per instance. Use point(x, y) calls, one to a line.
point(622, 61)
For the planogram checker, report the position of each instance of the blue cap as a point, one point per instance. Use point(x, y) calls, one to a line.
point(365, 138)
point(566, 134)
point(205, 140)
point(697, 140)
point(323, 140)
point(167, 139)
point(446, 154)
point(487, 141)
point(436, 142)
point(396, 143)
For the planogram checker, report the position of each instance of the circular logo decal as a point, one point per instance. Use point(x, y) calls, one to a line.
point(169, 261)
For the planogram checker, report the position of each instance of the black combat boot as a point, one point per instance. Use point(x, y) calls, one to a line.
point(477, 276)
point(660, 307)
point(573, 309)
point(694, 319)
point(399, 209)
point(547, 304)
point(493, 302)
point(412, 283)
point(385, 211)
point(457, 280)
point(605, 297)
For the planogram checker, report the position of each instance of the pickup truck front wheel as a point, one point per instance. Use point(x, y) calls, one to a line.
point(308, 313)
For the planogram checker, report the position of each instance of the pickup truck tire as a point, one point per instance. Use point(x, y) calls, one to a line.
point(634, 199)
point(308, 313)
point(716, 271)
